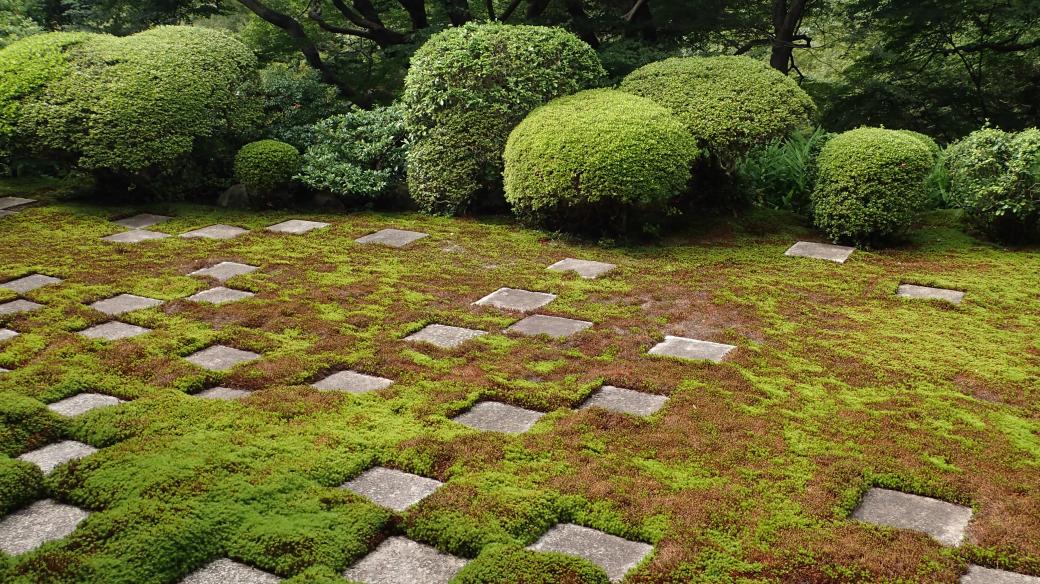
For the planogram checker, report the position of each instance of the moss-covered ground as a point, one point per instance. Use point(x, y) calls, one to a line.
point(748, 474)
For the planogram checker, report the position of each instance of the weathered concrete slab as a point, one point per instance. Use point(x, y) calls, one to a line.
point(584, 268)
point(392, 488)
point(220, 357)
point(929, 293)
point(553, 326)
point(83, 403)
point(53, 455)
point(124, 303)
point(392, 237)
point(945, 522)
point(220, 295)
point(135, 236)
point(625, 401)
point(142, 220)
point(444, 336)
point(615, 555)
point(6, 334)
point(516, 299)
point(296, 226)
point(18, 306)
point(498, 417)
point(12, 202)
point(37, 524)
point(685, 348)
point(403, 561)
point(215, 232)
point(225, 571)
point(113, 331)
point(225, 270)
point(30, 283)
point(352, 382)
point(224, 393)
point(820, 251)
point(980, 575)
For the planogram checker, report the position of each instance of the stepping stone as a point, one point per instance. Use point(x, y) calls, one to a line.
point(928, 293)
point(113, 331)
point(215, 232)
point(820, 251)
point(225, 571)
point(2, 370)
point(684, 348)
point(18, 306)
point(980, 575)
point(498, 417)
point(296, 226)
point(7, 334)
point(29, 283)
point(945, 522)
point(402, 561)
point(220, 295)
point(37, 524)
point(392, 237)
point(444, 336)
point(584, 268)
point(625, 401)
point(352, 382)
point(391, 488)
point(224, 393)
point(135, 236)
point(225, 270)
point(514, 299)
point(142, 220)
point(220, 357)
point(82, 403)
point(51, 456)
point(124, 303)
point(554, 326)
point(615, 555)
point(11, 202)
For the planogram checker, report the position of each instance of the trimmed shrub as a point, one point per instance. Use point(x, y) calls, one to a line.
point(266, 166)
point(870, 184)
point(599, 159)
point(925, 140)
point(509, 564)
point(466, 89)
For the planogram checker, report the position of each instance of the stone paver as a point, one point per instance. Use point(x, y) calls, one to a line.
point(403, 561)
point(554, 326)
point(220, 357)
point(135, 236)
point(820, 251)
point(7, 334)
point(444, 336)
point(37, 524)
point(220, 295)
point(83, 403)
point(352, 382)
point(142, 220)
point(392, 237)
point(51, 456)
point(980, 575)
point(215, 232)
point(945, 522)
point(224, 393)
point(11, 202)
point(615, 555)
point(30, 282)
point(124, 303)
point(296, 226)
point(498, 417)
point(625, 401)
point(584, 268)
point(929, 293)
point(691, 349)
point(391, 488)
point(18, 306)
point(225, 571)
point(515, 299)
point(113, 331)
point(225, 270)
point(2, 370)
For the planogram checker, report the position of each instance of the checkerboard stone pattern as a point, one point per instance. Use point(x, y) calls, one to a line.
point(124, 303)
point(820, 251)
point(929, 293)
point(215, 232)
point(553, 326)
point(402, 561)
point(615, 555)
point(296, 226)
point(444, 336)
point(220, 358)
point(685, 348)
point(83, 403)
point(625, 401)
point(584, 268)
point(225, 270)
point(30, 283)
point(37, 524)
point(51, 456)
point(392, 237)
point(391, 488)
point(223, 393)
point(516, 300)
point(12, 202)
point(980, 575)
point(225, 571)
point(142, 220)
point(6, 334)
point(944, 522)
point(352, 382)
point(220, 295)
point(113, 331)
point(135, 236)
point(498, 417)
point(18, 306)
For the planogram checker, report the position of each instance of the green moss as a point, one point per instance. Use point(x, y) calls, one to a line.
point(506, 564)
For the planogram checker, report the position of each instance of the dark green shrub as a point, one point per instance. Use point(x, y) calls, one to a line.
point(267, 166)
point(599, 159)
point(871, 183)
point(467, 88)
point(509, 564)
point(295, 99)
point(782, 174)
point(20, 484)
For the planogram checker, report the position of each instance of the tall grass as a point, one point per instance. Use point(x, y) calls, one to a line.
point(780, 175)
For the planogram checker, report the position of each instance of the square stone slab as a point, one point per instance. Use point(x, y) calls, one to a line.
point(980, 575)
point(498, 417)
point(554, 326)
point(615, 555)
point(225, 571)
point(216, 232)
point(402, 561)
point(124, 303)
point(220, 295)
point(392, 237)
point(30, 282)
point(928, 293)
point(83, 403)
point(11, 202)
point(625, 401)
point(945, 522)
point(37, 524)
point(691, 349)
point(220, 357)
point(515, 299)
point(51, 456)
point(444, 336)
point(18, 306)
point(113, 331)
point(391, 488)
point(135, 236)
point(584, 268)
point(224, 393)
point(820, 251)
point(296, 226)
point(225, 270)
point(7, 334)
point(142, 220)
point(352, 382)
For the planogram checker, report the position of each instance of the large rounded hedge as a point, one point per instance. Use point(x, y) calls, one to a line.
point(870, 183)
point(599, 159)
point(730, 104)
point(467, 88)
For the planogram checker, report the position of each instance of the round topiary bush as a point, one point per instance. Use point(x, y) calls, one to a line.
point(466, 89)
point(870, 183)
point(730, 104)
point(267, 166)
point(599, 159)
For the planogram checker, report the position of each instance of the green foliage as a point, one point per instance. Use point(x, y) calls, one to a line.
point(267, 165)
point(20, 483)
point(510, 564)
point(467, 88)
point(25, 424)
point(871, 183)
point(15, 21)
point(599, 159)
point(782, 174)
point(295, 98)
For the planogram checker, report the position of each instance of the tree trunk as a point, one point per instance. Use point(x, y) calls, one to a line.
point(416, 13)
point(786, 20)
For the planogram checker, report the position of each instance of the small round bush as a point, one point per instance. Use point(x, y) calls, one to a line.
point(267, 165)
point(599, 159)
point(870, 183)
